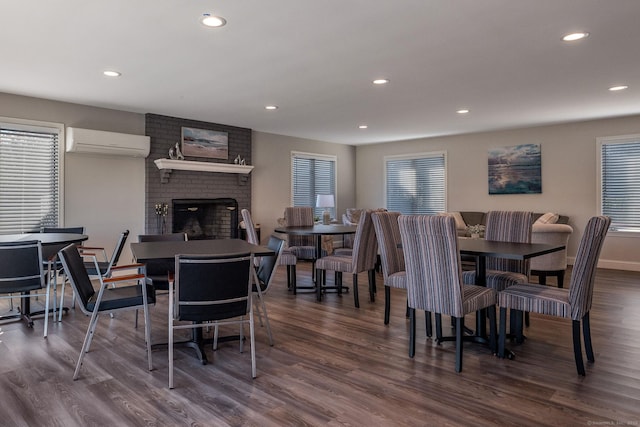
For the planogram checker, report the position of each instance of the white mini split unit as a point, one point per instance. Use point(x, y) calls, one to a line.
point(109, 143)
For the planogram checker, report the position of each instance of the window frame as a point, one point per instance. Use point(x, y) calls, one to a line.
point(600, 172)
point(416, 156)
point(44, 126)
point(316, 156)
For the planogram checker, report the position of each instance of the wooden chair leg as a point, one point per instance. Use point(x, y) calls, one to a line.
point(577, 347)
point(438, 328)
point(387, 304)
point(492, 329)
point(459, 334)
point(427, 323)
point(586, 332)
point(503, 331)
point(561, 279)
point(412, 332)
point(372, 285)
point(356, 299)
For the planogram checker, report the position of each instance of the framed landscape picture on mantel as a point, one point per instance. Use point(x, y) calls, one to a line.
point(515, 170)
point(205, 143)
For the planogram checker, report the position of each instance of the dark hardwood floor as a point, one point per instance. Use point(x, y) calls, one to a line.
point(332, 364)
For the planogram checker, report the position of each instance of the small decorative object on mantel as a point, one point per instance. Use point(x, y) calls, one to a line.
point(476, 231)
point(239, 160)
point(175, 153)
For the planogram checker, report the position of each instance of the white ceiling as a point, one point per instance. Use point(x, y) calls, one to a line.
point(315, 59)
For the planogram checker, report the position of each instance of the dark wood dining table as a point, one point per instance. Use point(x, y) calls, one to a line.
point(318, 230)
point(51, 244)
point(167, 250)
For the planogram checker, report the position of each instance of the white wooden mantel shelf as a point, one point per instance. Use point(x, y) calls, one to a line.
point(166, 166)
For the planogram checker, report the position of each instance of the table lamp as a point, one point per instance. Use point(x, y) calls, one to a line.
point(325, 201)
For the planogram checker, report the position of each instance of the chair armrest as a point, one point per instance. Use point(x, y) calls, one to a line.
point(125, 267)
point(81, 249)
point(124, 278)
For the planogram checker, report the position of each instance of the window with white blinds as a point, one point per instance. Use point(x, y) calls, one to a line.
point(416, 184)
point(620, 181)
point(29, 177)
point(312, 174)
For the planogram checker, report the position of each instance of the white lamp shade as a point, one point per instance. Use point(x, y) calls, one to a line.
point(324, 201)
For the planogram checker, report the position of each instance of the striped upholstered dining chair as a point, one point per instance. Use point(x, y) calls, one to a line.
point(363, 258)
point(505, 226)
point(286, 256)
point(392, 259)
point(573, 303)
point(434, 283)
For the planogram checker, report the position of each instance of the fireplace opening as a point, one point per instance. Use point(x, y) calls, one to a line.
point(205, 218)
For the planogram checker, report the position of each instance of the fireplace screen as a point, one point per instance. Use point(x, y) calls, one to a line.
point(206, 218)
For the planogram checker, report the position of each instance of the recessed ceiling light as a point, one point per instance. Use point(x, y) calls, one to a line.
point(574, 36)
point(617, 88)
point(111, 73)
point(271, 107)
point(462, 111)
point(380, 81)
point(212, 21)
point(363, 127)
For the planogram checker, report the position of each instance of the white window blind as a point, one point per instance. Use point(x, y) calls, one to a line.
point(620, 182)
point(312, 174)
point(416, 184)
point(29, 177)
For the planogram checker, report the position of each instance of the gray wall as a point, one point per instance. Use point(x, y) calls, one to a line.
point(569, 174)
point(272, 175)
point(105, 194)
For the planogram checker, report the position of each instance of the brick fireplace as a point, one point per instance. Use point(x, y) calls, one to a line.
point(228, 189)
point(205, 218)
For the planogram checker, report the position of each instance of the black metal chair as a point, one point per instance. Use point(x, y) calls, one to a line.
point(211, 290)
point(21, 272)
point(55, 269)
point(106, 300)
point(265, 274)
point(105, 267)
point(158, 270)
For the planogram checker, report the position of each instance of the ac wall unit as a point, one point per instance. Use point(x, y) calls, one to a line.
point(110, 143)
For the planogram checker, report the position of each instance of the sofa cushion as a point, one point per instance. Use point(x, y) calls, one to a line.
point(547, 218)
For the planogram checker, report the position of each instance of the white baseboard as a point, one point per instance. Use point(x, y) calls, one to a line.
point(613, 265)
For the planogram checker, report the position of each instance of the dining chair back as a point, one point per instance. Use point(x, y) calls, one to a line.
point(573, 303)
point(210, 290)
point(54, 267)
point(265, 274)
point(303, 247)
point(21, 272)
point(158, 271)
point(391, 256)
point(505, 226)
point(103, 268)
point(363, 258)
point(434, 282)
point(106, 299)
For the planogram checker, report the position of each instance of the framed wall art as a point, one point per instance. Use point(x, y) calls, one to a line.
point(515, 170)
point(205, 143)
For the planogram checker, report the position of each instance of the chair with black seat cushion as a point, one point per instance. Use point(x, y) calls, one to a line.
point(107, 299)
point(434, 282)
point(21, 272)
point(105, 267)
point(363, 258)
point(265, 275)
point(505, 226)
point(212, 290)
point(55, 268)
point(573, 303)
point(158, 270)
